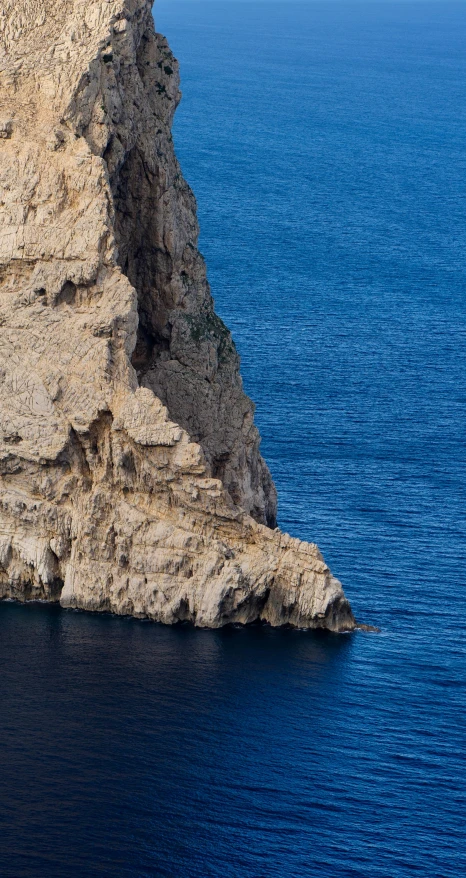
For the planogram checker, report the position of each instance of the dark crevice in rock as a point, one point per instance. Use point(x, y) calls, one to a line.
point(184, 353)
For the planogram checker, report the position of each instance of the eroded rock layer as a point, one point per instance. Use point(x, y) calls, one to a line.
point(130, 472)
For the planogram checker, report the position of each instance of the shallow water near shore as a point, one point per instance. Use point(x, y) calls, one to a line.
point(325, 145)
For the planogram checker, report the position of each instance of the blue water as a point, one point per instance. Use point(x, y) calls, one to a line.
point(326, 146)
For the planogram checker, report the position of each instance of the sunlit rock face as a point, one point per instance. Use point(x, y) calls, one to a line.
point(130, 474)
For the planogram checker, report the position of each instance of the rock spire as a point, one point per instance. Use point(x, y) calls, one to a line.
point(130, 474)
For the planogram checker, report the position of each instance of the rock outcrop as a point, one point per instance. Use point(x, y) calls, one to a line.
point(130, 474)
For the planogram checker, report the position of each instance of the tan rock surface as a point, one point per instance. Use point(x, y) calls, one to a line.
point(130, 472)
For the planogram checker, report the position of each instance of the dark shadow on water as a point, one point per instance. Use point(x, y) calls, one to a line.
point(75, 631)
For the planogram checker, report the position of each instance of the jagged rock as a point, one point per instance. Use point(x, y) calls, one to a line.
point(130, 472)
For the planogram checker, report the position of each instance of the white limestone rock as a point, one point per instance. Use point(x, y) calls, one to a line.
point(130, 472)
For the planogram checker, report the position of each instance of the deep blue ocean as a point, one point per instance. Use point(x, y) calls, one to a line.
point(325, 143)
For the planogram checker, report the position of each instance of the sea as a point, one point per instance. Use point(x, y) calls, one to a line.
point(325, 143)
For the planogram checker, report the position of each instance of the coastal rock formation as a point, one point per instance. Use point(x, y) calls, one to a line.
point(130, 474)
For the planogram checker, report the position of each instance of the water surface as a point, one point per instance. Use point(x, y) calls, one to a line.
point(325, 144)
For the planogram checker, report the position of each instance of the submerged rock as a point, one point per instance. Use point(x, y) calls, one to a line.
point(130, 474)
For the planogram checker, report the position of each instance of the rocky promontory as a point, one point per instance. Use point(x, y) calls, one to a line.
point(130, 474)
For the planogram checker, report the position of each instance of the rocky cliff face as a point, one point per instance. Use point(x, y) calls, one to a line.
point(130, 472)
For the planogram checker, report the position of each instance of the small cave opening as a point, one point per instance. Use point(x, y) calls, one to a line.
point(67, 294)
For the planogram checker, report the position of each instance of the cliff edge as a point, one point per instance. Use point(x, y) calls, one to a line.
point(130, 474)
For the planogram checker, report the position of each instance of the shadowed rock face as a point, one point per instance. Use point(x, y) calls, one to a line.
point(130, 472)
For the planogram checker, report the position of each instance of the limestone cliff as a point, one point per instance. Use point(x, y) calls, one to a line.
point(130, 472)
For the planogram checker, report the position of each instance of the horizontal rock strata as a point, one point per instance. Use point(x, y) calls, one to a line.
point(130, 474)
